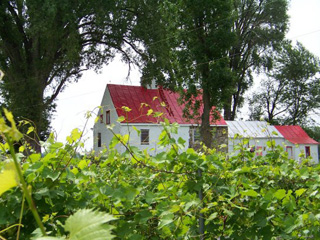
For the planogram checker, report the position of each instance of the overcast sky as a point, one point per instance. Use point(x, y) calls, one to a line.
point(78, 98)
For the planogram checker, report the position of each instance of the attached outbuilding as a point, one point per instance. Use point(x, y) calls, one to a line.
point(298, 143)
point(256, 134)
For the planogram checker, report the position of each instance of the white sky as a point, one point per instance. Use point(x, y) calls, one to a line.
point(78, 98)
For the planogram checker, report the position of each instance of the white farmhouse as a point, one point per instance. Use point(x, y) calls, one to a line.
point(143, 102)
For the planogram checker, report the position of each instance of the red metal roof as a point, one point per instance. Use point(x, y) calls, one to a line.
point(295, 134)
point(140, 100)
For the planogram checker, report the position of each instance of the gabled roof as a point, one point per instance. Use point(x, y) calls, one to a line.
point(140, 100)
point(252, 129)
point(296, 135)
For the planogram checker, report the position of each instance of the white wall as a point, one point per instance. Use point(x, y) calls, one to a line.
point(154, 133)
point(135, 140)
point(106, 135)
point(298, 149)
point(257, 142)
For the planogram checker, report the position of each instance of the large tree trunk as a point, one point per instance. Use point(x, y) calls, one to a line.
point(26, 104)
point(227, 109)
point(205, 123)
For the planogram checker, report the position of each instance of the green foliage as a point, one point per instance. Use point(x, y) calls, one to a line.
point(156, 197)
point(259, 27)
point(291, 91)
point(86, 224)
point(44, 46)
point(209, 45)
point(193, 56)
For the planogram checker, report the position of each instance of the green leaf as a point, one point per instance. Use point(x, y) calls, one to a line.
point(125, 139)
point(175, 208)
point(21, 149)
point(223, 146)
point(243, 170)
point(114, 141)
point(304, 173)
point(137, 130)
point(51, 238)
point(53, 175)
point(8, 177)
point(89, 224)
point(30, 129)
point(300, 191)
point(76, 134)
point(150, 111)
point(75, 171)
point(166, 219)
point(281, 193)
point(126, 109)
point(149, 197)
point(82, 164)
point(211, 217)
point(120, 119)
point(12, 131)
point(250, 193)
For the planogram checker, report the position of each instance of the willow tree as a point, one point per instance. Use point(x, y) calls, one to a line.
point(46, 44)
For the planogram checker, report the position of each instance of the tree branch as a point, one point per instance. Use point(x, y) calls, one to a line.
point(61, 85)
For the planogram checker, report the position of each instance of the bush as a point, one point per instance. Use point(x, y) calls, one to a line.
point(157, 197)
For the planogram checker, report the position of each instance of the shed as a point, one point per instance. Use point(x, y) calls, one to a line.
point(257, 132)
point(298, 142)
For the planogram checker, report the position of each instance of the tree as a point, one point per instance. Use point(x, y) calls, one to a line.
point(188, 56)
point(188, 52)
point(258, 25)
point(291, 91)
point(44, 46)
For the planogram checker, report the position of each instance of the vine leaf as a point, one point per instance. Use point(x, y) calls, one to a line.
point(87, 224)
point(8, 178)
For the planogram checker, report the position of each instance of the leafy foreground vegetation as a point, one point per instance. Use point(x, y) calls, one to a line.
point(154, 197)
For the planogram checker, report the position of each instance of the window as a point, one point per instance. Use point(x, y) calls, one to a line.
point(101, 118)
point(307, 151)
point(99, 139)
point(196, 135)
point(289, 151)
point(259, 151)
point(144, 136)
point(108, 117)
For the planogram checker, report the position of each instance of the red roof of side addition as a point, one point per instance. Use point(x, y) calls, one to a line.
point(140, 100)
point(295, 134)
